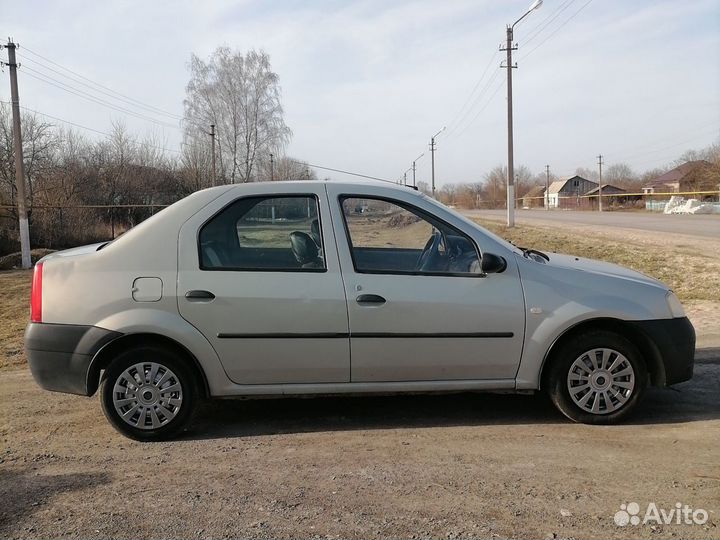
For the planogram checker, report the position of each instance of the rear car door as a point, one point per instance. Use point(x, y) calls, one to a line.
point(258, 275)
point(419, 309)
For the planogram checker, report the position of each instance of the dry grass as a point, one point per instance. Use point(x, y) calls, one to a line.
point(692, 275)
point(15, 313)
point(13, 261)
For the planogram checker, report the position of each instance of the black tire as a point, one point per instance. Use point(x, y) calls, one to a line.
point(556, 378)
point(179, 373)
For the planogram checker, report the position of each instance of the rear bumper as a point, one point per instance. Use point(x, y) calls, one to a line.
point(59, 355)
point(674, 340)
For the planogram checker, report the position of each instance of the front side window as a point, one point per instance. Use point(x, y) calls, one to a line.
point(264, 233)
point(387, 237)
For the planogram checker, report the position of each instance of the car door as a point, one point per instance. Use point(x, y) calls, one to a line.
point(258, 275)
point(415, 319)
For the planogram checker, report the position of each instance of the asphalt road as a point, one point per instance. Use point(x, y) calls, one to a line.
point(694, 225)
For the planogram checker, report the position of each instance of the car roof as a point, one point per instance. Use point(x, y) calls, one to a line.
point(279, 186)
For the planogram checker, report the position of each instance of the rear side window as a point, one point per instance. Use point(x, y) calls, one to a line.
point(264, 234)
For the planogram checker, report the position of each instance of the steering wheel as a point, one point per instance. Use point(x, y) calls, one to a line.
point(431, 252)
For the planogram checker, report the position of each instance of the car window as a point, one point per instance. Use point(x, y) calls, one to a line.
point(391, 237)
point(264, 233)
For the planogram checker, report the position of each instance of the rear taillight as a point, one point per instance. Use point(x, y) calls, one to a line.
point(36, 294)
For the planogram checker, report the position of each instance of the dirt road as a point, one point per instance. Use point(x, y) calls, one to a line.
point(414, 466)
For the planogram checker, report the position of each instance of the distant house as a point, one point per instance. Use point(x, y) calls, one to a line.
point(567, 193)
point(690, 176)
point(534, 198)
point(612, 196)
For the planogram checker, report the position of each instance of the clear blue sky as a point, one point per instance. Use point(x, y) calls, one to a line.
point(365, 84)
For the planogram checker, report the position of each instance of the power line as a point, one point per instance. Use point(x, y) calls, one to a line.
point(77, 92)
point(649, 147)
point(630, 157)
point(547, 21)
point(557, 29)
point(537, 30)
point(479, 112)
point(97, 84)
point(109, 135)
point(480, 80)
point(103, 133)
point(111, 95)
point(340, 171)
point(454, 125)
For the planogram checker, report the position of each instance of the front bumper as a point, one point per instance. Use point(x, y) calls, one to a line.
point(59, 355)
point(674, 341)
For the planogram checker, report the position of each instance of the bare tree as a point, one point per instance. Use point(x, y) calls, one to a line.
point(39, 144)
point(470, 195)
point(195, 166)
point(620, 175)
point(496, 185)
point(284, 168)
point(588, 174)
point(523, 180)
point(240, 95)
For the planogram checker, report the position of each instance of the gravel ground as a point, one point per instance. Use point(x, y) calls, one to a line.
point(463, 465)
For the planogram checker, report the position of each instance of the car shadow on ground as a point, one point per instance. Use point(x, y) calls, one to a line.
point(25, 491)
point(695, 400)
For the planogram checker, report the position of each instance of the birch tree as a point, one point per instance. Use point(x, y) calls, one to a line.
point(240, 95)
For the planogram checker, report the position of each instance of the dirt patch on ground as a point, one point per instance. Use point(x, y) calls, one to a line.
point(467, 465)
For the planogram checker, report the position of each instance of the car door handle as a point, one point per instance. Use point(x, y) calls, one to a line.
point(372, 299)
point(199, 295)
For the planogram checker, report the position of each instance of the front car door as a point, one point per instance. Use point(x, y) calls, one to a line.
point(418, 306)
point(258, 275)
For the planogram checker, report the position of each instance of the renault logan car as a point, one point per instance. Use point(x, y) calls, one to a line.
point(292, 288)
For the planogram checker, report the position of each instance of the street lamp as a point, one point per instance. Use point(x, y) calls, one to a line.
point(511, 166)
point(413, 167)
point(432, 155)
point(405, 176)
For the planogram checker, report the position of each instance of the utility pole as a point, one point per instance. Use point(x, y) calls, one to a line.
point(272, 168)
point(600, 164)
point(547, 187)
point(19, 162)
point(212, 137)
point(511, 164)
point(509, 65)
point(413, 167)
point(432, 156)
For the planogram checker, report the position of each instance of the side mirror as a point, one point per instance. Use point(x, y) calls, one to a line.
point(492, 264)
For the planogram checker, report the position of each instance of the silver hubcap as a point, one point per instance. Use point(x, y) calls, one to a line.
point(601, 381)
point(147, 395)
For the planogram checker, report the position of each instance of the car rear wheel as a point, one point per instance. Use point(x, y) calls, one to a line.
point(597, 377)
point(147, 394)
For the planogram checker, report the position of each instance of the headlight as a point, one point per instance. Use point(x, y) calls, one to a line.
point(676, 308)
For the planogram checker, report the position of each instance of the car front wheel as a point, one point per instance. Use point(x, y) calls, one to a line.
point(147, 394)
point(597, 377)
